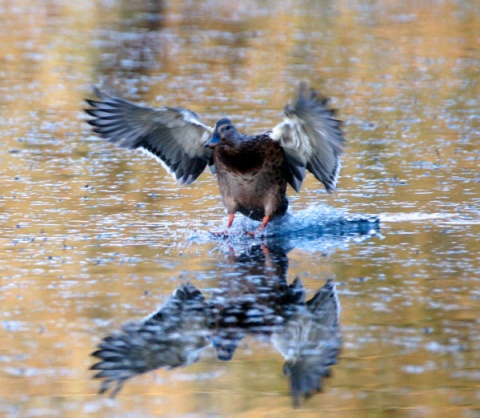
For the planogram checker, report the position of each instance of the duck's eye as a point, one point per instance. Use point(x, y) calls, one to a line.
point(227, 127)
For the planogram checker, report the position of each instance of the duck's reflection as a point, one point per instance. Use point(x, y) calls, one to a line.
point(254, 297)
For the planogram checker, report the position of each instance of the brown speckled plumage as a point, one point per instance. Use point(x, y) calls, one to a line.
point(252, 177)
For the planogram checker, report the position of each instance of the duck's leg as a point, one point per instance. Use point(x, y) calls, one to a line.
point(264, 223)
point(224, 233)
point(230, 219)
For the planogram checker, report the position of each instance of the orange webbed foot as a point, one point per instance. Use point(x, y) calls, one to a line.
point(220, 234)
point(225, 233)
point(262, 226)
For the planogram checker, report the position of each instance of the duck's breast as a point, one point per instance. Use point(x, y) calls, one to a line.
point(252, 178)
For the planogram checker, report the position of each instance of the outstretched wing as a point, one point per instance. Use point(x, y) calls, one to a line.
point(311, 137)
point(173, 135)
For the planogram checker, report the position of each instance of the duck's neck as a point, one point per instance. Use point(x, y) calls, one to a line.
point(244, 157)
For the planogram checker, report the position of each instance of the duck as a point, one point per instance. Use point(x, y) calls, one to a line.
point(252, 171)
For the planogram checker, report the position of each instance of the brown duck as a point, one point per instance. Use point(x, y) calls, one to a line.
point(252, 171)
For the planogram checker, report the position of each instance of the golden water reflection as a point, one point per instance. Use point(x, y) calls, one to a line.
point(92, 237)
point(254, 298)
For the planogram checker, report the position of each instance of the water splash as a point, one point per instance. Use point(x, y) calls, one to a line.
point(317, 228)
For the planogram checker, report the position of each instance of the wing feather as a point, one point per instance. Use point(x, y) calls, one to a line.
point(312, 139)
point(175, 136)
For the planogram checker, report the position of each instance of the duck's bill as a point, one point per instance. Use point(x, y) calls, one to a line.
point(214, 140)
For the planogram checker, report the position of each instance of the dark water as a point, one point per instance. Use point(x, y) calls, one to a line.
point(93, 237)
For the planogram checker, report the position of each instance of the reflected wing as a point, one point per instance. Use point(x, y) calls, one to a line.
point(172, 337)
point(311, 137)
point(310, 342)
point(173, 135)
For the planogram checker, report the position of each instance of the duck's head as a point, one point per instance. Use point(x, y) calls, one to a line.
point(224, 132)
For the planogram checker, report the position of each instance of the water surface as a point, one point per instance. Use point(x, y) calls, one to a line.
point(93, 237)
